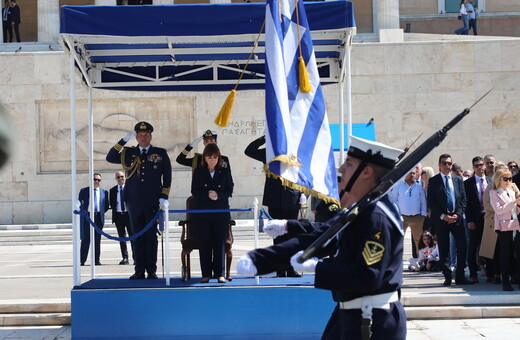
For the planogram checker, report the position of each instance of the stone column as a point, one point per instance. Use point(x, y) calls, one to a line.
point(106, 2)
point(48, 20)
point(386, 13)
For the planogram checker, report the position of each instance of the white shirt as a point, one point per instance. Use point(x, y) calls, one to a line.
point(411, 200)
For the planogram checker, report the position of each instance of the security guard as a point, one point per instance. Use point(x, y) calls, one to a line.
point(364, 270)
point(148, 179)
point(208, 137)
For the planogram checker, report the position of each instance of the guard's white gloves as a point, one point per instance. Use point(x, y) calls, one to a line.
point(195, 141)
point(162, 202)
point(245, 266)
point(308, 266)
point(303, 199)
point(275, 228)
point(130, 135)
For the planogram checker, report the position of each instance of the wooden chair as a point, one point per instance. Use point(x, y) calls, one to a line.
point(190, 242)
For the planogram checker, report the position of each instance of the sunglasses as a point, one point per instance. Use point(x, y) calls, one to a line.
point(120, 177)
point(479, 165)
point(507, 179)
point(490, 163)
point(97, 179)
point(512, 166)
point(446, 163)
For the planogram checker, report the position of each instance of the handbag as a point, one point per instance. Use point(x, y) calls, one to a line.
point(506, 225)
point(459, 17)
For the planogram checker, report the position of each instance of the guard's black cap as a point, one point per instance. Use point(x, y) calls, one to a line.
point(143, 127)
point(209, 134)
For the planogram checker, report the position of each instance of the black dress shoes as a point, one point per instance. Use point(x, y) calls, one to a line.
point(137, 276)
point(124, 261)
point(98, 263)
point(447, 282)
point(82, 264)
point(293, 273)
point(152, 276)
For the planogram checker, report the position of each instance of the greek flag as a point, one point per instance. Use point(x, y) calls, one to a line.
point(298, 140)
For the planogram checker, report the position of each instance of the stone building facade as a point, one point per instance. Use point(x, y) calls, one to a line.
point(412, 85)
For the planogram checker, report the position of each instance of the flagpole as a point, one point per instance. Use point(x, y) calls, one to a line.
point(348, 79)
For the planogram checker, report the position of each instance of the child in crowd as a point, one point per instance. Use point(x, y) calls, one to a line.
point(428, 254)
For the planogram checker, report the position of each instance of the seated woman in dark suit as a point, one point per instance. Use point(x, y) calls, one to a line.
point(211, 186)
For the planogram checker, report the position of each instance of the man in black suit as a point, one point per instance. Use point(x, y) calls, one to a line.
point(447, 202)
point(15, 22)
point(100, 206)
point(148, 179)
point(120, 214)
point(6, 19)
point(475, 187)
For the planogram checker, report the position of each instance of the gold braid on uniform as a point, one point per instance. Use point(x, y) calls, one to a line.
point(118, 147)
point(130, 170)
point(165, 191)
point(185, 152)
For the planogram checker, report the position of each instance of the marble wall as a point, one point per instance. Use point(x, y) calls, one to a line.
point(408, 88)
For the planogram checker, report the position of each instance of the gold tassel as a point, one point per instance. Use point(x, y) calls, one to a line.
point(222, 119)
point(305, 85)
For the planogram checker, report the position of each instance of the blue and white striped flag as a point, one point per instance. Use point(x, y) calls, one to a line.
point(298, 140)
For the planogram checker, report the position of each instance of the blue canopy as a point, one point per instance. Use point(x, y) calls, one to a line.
point(191, 47)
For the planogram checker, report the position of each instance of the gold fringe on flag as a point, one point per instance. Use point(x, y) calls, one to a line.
point(222, 119)
point(292, 161)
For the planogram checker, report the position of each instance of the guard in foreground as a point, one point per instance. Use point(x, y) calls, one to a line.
point(364, 265)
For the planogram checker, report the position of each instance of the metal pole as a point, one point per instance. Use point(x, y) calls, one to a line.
point(76, 276)
point(91, 181)
point(341, 123)
point(348, 79)
point(167, 234)
point(255, 223)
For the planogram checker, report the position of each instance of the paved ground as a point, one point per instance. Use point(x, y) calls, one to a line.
point(44, 273)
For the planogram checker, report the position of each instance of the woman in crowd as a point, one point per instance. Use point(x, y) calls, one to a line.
point(506, 207)
point(463, 13)
point(426, 174)
point(211, 187)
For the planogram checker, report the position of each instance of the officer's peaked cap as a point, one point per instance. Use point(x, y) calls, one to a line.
point(143, 127)
point(209, 134)
point(373, 152)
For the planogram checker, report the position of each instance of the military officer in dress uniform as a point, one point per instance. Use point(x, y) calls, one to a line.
point(364, 270)
point(208, 137)
point(148, 179)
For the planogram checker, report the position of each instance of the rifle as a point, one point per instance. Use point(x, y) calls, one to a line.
point(387, 182)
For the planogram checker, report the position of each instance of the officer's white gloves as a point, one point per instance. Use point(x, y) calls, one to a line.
point(245, 266)
point(130, 135)
point(308, 266)
point(275, 228)
point(303, 199)
point(195, 141)
point(163, 202)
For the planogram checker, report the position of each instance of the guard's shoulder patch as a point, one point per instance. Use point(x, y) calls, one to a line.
point(373, 252)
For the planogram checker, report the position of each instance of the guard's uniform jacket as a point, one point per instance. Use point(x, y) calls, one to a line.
point(194, 162)
point(365, 261)
point(147, 179)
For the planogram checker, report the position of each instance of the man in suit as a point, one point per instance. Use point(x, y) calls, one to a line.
point(475, 187)
point(100, 206)
point(148, 180)
point(447, 202)
point(6, 16)
point(15, 21)
point(120, 214)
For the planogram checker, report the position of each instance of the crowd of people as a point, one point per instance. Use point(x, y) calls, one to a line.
point(468, 14)
point(11, 21)
point(469, 218)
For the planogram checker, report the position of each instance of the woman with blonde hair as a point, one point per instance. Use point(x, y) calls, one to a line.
point(506, 207)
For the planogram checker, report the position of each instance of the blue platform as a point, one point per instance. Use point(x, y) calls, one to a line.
point(278, 308)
